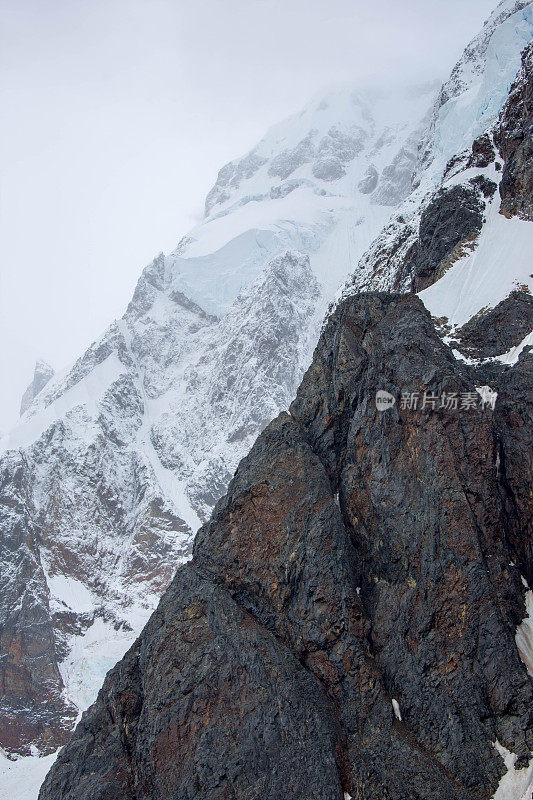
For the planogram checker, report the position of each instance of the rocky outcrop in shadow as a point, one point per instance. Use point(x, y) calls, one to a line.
point(453, 217)
point(497, 330)
point(347, 622)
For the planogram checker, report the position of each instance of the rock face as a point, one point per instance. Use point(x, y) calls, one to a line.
point(515, 141)
point(514, 424)
point(428, 237)
point(42, 375)
point(102, 469)
point(369, 181)
point(499, 329)
point(32, 707)
point(397, 177)
point(440, 222)
point(360, 557)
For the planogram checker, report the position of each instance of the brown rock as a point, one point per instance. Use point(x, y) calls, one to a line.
point(358, 556)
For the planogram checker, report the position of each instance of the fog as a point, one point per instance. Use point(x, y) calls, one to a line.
point(117, 115)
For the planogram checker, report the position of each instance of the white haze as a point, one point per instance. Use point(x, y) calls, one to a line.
point(117, 115)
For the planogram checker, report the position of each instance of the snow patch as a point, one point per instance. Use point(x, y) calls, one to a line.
point(516, 784)
point(512, 355)
point(471, 112)
point(69, 592)
point(488, 396)
point(87, 393)
point(461, 357)
point(21, 779)
point(396, 707)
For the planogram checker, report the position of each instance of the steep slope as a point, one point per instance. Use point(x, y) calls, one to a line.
point(121, 457)
point(495, 266)
point(43, 373)
point(101, 487)
point(347, 622)
point(478, 85)
point(466, 244)
point(382, 550)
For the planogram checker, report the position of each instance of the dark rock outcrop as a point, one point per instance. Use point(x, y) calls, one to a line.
point(482, 153)
point(497, 330)
point(359, 557)
point(488, 373)
point(514, 137)
point(201, 706)
point(453, 217)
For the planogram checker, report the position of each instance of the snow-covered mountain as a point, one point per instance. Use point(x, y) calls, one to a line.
point(487, 248)
point(119, 458)
point(43, 372)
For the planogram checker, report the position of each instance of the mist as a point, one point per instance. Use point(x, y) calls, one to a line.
point(117, 115)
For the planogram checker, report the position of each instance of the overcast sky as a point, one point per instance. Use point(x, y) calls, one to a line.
point(117, 115)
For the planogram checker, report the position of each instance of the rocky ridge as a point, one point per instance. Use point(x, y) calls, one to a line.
point(514, 138)
point(447, 232)
point(318, 643)
point(104, 475)
point(43, 373)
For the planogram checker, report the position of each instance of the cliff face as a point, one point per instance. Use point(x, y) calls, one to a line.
point(444, 229)
point(347, 623)
point(88, 542)
point(515, 139)
point(32, 707)
point(43, 373)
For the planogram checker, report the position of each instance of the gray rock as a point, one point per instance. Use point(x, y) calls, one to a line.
point(453, 217)
point(369, 182)
point(230, 177)
point(329, 169)
point(396, 180)
point(495, 331)
point(42, 374)
point(32, 708)
point(286, 162)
